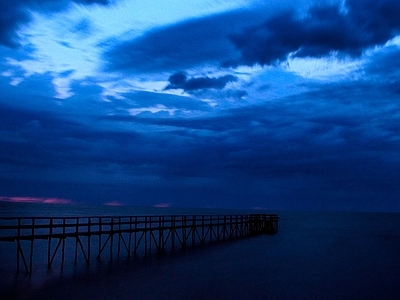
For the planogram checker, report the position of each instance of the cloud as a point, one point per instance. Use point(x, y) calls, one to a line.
point(385, 64)
point(162, 205)
point(335, 142)
point(36, 200)
point(156, 109)
point(84, 28)
point(250, 37)
point(238, 94)
point(15, 13)
point(181, 81)
point(114, 203)
point(325, 29)
point(326, 138)
point(327, 141)
point(183, 45)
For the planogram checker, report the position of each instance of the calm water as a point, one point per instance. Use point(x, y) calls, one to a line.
point(314, 256)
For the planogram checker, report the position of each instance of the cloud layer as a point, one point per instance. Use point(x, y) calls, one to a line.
point(219, 110)
point(17, 12)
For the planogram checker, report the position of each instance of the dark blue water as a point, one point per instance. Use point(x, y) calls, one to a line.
point(329, 255)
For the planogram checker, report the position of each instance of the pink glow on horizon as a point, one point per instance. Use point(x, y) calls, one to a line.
point(36, 200)
point(114, 203)
point(163, 205)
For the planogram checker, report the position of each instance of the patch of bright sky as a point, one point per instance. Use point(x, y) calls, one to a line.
point(273, 83)
point(154, 109)
point(60, 46)
point(332, 68)
point(136, 16)
point(394, 41)
point(117, 88)
point(325, 68)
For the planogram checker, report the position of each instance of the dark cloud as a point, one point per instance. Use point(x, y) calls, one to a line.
point(11, 16)
point(183, 45)
point(329, 145)
point(181, 81)
point(250, 37)
point(15, 13)
point(45, 143)
point(324, 29)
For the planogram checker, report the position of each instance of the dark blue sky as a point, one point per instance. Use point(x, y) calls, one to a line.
point(238, 104)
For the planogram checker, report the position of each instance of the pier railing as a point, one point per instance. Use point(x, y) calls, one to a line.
point(92, 237)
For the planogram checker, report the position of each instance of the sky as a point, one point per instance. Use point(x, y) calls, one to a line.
point(205, 103)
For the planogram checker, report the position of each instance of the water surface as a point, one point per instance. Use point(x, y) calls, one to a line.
point(315, 255)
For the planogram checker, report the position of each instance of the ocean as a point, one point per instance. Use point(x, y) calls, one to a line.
point(314, 255)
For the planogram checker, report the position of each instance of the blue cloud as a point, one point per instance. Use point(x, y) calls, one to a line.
point(385, 63)
point(325, 28)
point(84, 28)
point(247, 38)
point(320, 143)
point(180, 81)
point(15, 13)
point(181, 46)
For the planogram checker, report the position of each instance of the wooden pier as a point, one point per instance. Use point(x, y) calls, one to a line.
point(89, 238)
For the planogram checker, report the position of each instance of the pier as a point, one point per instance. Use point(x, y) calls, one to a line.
point(89, 238)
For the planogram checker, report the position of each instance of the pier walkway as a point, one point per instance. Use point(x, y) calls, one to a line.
point(91, 238)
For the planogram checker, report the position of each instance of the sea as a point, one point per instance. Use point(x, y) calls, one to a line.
point(314, 255)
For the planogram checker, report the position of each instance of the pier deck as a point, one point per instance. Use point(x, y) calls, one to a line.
point(92, 237)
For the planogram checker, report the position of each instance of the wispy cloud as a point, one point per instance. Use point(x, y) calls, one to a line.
point(162, 205)
point(16, 13)
point(114, 203)
point(36, 200)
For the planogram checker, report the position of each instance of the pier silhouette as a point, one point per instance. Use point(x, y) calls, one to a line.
point(95, 237)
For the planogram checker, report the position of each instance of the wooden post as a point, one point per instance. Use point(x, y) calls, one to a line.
point(145, 235)
point(119, 236)
point(31, 252)
point(184, 237)
point(89, 228)
point(173, 233)
point(76, 238)
point(111, 238)
point(49, 242)
point(63, 245)
point(135, 237)
point(18, 242)
point(100, 230)
point(130, 237)
point(193, 229)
